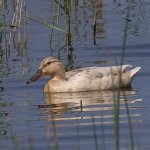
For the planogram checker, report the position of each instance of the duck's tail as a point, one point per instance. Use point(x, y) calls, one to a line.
point(134, 71)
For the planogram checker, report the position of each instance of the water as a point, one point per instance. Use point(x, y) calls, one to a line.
point(31, 120)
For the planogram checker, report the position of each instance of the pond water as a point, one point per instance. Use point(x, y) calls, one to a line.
point(31, 120)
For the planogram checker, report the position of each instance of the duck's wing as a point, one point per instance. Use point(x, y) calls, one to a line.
point(76, 71)
point(86, 80)
point(73, 72)
point(104, 71)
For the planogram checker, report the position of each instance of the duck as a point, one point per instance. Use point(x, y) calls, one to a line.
point(83, 79)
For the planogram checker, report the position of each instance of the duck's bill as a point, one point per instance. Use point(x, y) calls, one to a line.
point(35, 77)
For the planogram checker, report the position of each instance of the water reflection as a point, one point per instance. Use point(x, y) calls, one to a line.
point(90, 115)
point(86, 101)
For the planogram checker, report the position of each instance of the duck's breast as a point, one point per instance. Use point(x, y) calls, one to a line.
point(57, 86)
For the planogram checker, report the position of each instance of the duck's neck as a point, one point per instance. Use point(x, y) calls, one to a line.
point(59, 76)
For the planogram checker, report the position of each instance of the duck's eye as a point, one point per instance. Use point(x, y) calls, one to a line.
point(48, 63)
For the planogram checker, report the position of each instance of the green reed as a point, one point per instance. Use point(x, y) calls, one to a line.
point(1, 52)
point(5, 26)
point(66, 8)
point(67, 4)
point(19, 16)
point(62, 7)
point(95, 133)
point(117, 97)
point(97, 11)
point(11, 30)
point(130, 124)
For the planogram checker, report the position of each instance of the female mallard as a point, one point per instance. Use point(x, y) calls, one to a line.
point(84, 79)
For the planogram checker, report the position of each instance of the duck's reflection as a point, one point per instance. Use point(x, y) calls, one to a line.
point(93, 113)
point(87, 101)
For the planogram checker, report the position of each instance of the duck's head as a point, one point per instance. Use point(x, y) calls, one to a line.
point(49, 66)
